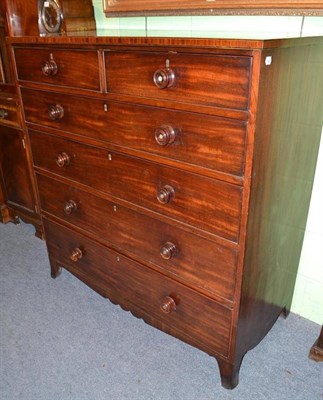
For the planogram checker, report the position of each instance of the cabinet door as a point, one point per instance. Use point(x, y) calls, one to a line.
point(16, 174)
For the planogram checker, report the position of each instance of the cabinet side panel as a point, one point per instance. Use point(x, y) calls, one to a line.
point(288, 127)
point(21, 17)
point(13, 164)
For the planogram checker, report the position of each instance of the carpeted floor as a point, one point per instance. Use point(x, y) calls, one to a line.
point(59, 340)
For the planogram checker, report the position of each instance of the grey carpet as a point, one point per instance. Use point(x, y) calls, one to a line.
point(59, 340)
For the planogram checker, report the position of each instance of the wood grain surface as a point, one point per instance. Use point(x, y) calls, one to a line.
point(210, 142)
point(209, 204)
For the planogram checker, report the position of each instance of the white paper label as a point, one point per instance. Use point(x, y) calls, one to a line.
point(268, 60)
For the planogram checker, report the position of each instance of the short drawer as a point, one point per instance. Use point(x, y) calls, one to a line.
point(211, 142)
point(196, 261)
point(209, 204)
point(213, 80)
point(9, 113)
point(179, 308)
point(72, 68)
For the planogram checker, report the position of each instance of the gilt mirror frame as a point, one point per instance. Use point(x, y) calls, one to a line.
point(212, 7)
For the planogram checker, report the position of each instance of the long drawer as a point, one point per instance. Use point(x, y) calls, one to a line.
point(181, 309)
point(214, 80)
point(209, 204)
point(72, 68)
point(211, 142)
point(198, 262)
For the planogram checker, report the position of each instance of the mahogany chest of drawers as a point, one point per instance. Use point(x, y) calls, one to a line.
point(175, 175)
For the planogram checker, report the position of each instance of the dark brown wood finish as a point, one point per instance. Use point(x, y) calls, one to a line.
point(2, 74)
point(207, 266)
point(22, 16)
point(6, 73)
point(210, 142)
point(211, 46)
point(59, 67)
point(208, 204)
point(4, 214)
point(316, 352)
point(18, 186)
point(218, 81)
point(16, 177)
point(9, 112)
point(208, 214)
point(195, 315)
point(280, 189)
point(78, 16)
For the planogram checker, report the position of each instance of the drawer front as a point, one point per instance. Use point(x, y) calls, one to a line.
point(9, 113)
point(211, 142)
point(79, 69)
point(194, 260)
point(195, 315)
point(206, 203)
point(221, 81)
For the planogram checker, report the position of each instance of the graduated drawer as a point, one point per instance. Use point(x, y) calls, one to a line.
point(211, 142)
point(196, 261)
point(108, 272)
point(213, 80)
point(203, 202)
point(72, 68)
point(9, 112)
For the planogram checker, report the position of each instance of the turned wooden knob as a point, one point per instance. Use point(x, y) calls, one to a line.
point(168, 305)
point(56, 112)
point(168, 250)
point(165, 135)
point(76, 254)
point(69, 207)
point(49, 68)
point(164, 78)
point(62, 160)
point(165, 194)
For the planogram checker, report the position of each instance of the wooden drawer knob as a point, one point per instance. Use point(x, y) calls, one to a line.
point(168, 305)
point(62, 160)
point(168, 251)
point(165, 194)
point(76, 254)
point(56, 112)
point(165, 135)
point(3, 113)
point(69, 207)
point(49, 68)
point(164, 78)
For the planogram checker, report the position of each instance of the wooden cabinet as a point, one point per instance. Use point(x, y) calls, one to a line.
point(18, 198)
point(16, 177)
point(174, 176)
